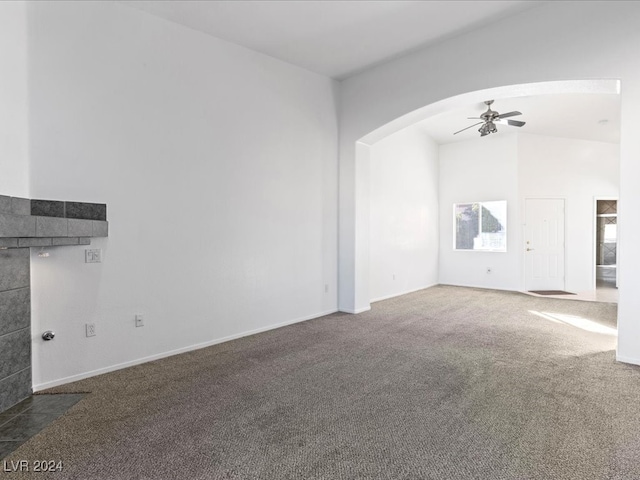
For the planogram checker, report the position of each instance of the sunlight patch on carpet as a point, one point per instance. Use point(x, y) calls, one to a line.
point(578, 322)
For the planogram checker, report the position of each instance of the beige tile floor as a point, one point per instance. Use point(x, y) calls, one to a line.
point(605, 290)
point(600, 294)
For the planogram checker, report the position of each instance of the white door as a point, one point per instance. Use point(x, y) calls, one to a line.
point(544, 244)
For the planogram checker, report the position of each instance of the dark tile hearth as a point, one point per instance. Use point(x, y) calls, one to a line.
point(27, 418)
point(7, 447)
point(24, 426)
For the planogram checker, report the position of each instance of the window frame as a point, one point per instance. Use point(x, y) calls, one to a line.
point(486, 250)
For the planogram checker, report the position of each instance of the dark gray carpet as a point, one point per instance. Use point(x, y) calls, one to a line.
point(445, 383)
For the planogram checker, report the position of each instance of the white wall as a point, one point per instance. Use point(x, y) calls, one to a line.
point(14, 162)
point(573, 41)
point(578, 171)
point(404, 214)
point(480, 170)
point(219, 169)
point(514, 167)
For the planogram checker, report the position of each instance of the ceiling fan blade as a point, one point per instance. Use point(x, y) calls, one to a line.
point(470, 126)
point(515, 123)
point(509, 114)
point(474, 118)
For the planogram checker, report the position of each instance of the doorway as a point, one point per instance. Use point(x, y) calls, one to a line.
point(606, 242)
point(544, 244)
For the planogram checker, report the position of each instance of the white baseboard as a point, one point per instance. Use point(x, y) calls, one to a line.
point(379, 299)
point(158, 356)
point(484, 287)
point(623, 359)
point(356, 311)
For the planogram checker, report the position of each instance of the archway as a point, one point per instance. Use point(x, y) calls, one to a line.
point(354, 259)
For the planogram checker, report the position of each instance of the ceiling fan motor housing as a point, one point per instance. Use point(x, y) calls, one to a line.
point(489, 115)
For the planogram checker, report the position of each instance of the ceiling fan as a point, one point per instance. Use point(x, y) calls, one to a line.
point(490, 118)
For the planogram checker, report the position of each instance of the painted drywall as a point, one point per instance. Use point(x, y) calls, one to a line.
point(404, 214)
point(14, 161)
point(218, 166)
point(514, 167)
point(573, 41)
point(480, 170)
point(578, 171)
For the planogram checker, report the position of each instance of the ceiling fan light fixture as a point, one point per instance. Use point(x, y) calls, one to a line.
point(487, 128)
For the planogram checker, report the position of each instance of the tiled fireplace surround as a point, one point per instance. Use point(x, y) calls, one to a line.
point(26, 223)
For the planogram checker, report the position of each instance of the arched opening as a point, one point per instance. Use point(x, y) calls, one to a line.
point(354, 267)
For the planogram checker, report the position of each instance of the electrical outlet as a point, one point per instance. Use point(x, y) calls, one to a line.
point(139, 320)
point(326, 288)
point(90, 329)
point(93, 255)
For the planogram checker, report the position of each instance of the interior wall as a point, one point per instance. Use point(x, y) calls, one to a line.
point(218, 167)
point(514, 167)
point(404, 214)
point(14, 161)
point(574, 40)
point(480, 170)
point(578, 171)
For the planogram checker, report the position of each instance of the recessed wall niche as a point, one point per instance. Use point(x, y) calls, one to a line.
point(26, 223)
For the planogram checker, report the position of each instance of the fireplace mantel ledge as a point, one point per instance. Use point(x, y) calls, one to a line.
point(50, 223)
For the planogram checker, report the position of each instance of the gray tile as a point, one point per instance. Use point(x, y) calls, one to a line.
point(7, 447)
point(24, 426)
point(58, 403)
point(20, 206)
point(19, 407)
point(51, 227)
point(15, 310)
point(34, 242)
point(15, 388)
point(5, 417)
point(14, 268)
point(5, 204)
point(100, 229)
point(84, 241)
point(15, 352)
point(64, 241)
point(17, 225)
point(80, 228)
point(47, 208)
point(88, 211)
point(8, 242)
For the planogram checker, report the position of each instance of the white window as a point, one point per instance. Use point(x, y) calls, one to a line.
point(480, 226)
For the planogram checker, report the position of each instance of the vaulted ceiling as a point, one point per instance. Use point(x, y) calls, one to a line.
point(334, 38)
point(339, 38)
point(584, 116)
